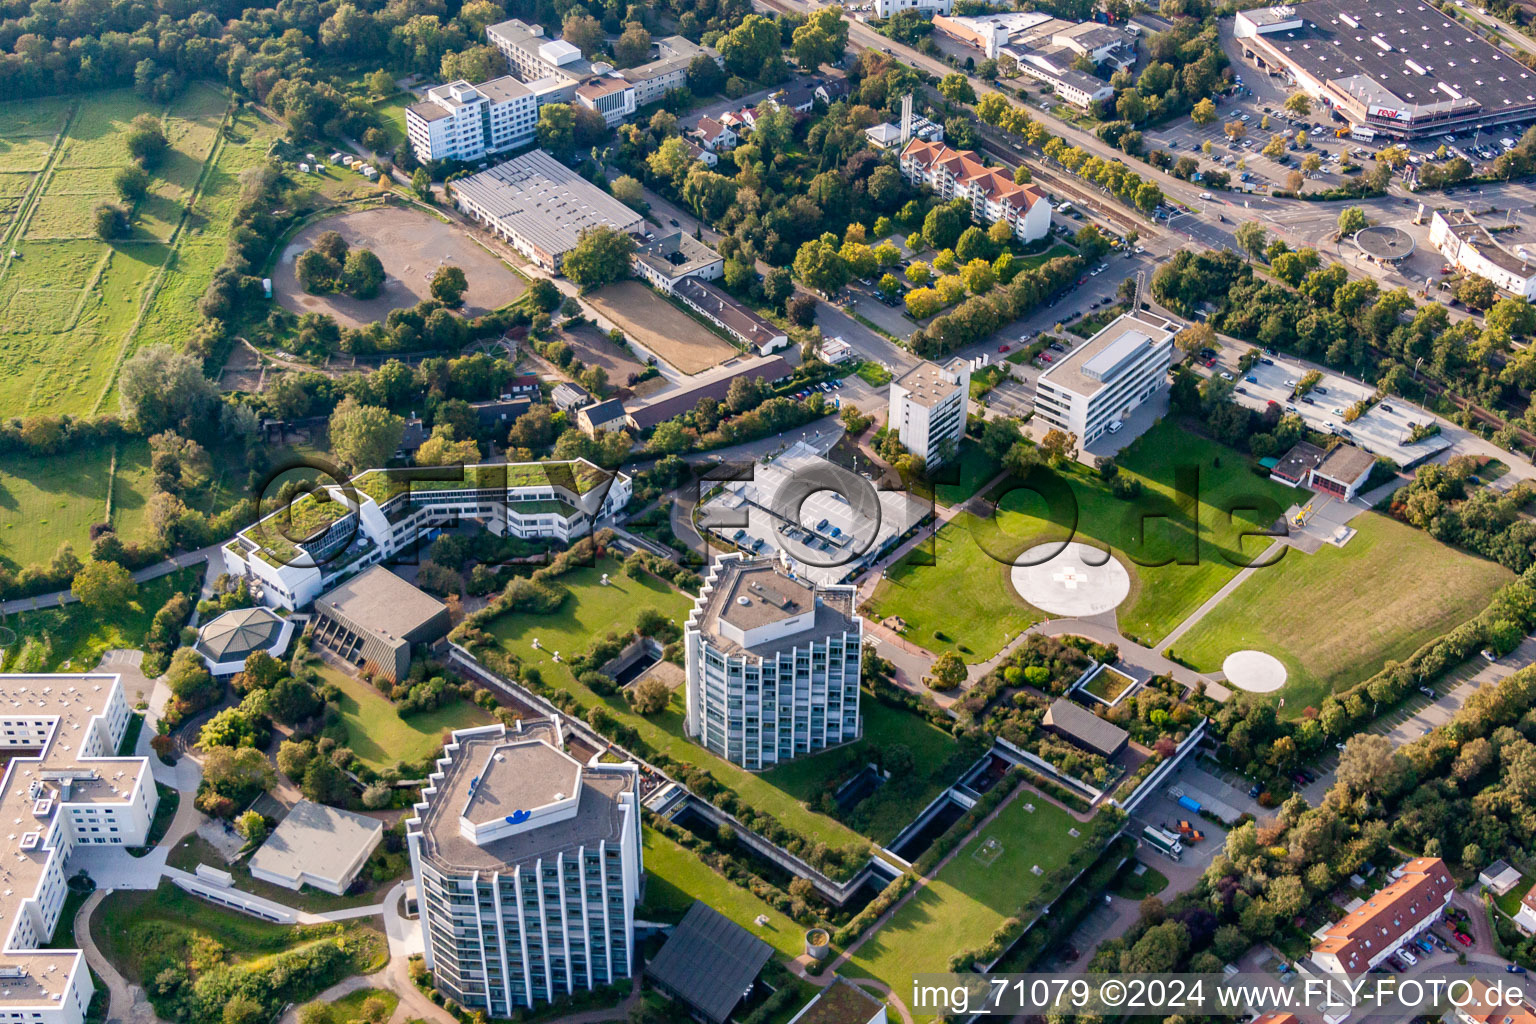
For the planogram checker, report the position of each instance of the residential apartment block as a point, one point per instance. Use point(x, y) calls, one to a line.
point(528, 865)
point(928, 406)
point(959, 173)
point(773, 664)
point(1090, 389)
point(459, 121)
point(319, 539)
point(890, 8)
point(64, 787)
point(1388, 918)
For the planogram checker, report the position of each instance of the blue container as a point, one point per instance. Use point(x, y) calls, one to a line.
point(1189, 805)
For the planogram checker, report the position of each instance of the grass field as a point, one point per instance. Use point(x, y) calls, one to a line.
point(983, 885)
point(380, 737)
point(593, 610)
point(72, 304)
point(79, 637)
point(47, 501)
point(974, 556)
point(1335, 617)
point(675, 878)
point(661, 327)
point(974, 469)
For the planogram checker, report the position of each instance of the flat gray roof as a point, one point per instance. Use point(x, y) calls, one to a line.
point(382, 602)
point(1346, 463)
point(676, 253)
point(544, 202)
point(317, 840)
point(709, 961)
point(773, 597)
point(1127, 336)
point(520, 775)
point(928, 383)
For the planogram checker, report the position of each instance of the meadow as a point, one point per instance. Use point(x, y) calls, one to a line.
point(48, 501)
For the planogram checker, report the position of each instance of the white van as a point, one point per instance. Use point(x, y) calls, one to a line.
point(1114, 426)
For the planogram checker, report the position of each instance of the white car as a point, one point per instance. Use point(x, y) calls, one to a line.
point(1290, 383)
point(1225, 375)
point(1406, 957)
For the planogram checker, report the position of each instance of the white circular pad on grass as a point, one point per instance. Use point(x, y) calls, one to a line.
point(1078, 581)
point(1254, 671)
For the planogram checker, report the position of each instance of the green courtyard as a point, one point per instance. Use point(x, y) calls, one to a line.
point(380, 737)
point(592, 610)
point(985, 883)
point(1176, 560)
point(1336, 616)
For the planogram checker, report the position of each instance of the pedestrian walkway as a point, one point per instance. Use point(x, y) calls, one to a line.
point(1221, 595)
point(153, 572)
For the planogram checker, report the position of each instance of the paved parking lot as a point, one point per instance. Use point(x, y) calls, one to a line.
point(1384, 430)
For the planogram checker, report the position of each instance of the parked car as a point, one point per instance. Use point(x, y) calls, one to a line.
point(1254, 791)
point(1057, 346)
point(1251, 379)
point(1267, 361)
point(1320, 389)
point(1396, 964)
point(1426, 691)
point(1225, 375)
point(1407, 957)
point(1384, 407)
point(1463, 938)
point(1240, 390)
point(1046, 356)
point(1290, 384)
point(1514, 968)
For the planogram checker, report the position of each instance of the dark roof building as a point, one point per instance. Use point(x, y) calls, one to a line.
point(709, 963)
point(373, 619)
point(569, 397)
point(647, 416)
point(736, 319)
point(604, 415)
point(1084, 728)
point(228, 640)
point(503, 411)
point(1295, 466)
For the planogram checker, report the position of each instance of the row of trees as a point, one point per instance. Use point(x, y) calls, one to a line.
point(329, 265)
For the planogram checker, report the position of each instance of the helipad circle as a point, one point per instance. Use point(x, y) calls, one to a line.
point(1254, 671)
point(1077, 581)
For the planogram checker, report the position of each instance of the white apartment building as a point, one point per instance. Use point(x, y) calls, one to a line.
point(1095, 385)
point(1467, 246)
point(993, 195)
point(68, 789)
point(928, 407)
point(888, 8)
point(319, 539)
point(459, 121)
point(773, 664)
point(528, 865)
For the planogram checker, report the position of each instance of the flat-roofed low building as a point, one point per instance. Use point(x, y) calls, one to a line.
point(1294, 468)
point(773, 664)
point(1099, 382)
point(540, 207)
point(1386, 919)
point(528, 864)
point(1467, 246)
point(734, 317)
point(672, 257)
point(1343, 471)
point(225, 642)
point(319, 846)
point(373, 619)
point(1075, 723)
point(842, 1002)
point(1500, 877)
point(928, 408)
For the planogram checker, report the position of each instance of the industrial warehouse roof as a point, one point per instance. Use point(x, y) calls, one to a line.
point(1393, 54)
point(543, 201)
point(709, 962)
point(235, 635)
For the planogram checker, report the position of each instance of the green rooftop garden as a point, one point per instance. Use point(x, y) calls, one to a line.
point(576, 476)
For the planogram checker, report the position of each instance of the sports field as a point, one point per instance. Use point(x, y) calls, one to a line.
point(1176, 559)
point(70, 304)
point(661, 327)
point(982, 886)
point(1335, 617)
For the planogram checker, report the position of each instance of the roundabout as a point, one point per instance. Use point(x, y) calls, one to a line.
point(1078, 581)
point(1254, 671)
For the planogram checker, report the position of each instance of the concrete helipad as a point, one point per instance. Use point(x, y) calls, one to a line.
point(1254, 671)
point(1076, 582)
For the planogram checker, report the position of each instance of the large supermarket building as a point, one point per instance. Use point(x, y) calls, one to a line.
point(1399, 68)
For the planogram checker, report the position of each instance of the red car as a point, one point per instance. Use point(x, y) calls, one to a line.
point(1445, 270)
point(1002, 348)
point(1045, 356)
point(1463, 938)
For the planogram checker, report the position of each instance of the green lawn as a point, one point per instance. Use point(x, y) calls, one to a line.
point(350, 1006)
point(46, 501)
point(891, 808)
point(380, 737)
point(675, 878)
point(1042, 258)
point(974, 893)
point(1132, 886)
point(873, 374)
point(975, 469)
point(1173, 566)
point(1335, 617)
point(78, 637)
point(593, 610)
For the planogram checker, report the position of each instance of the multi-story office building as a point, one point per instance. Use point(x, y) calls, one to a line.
point(324, 537)
point(1092, 388)
point(928, 407)
point(459, 121)
point(993, 195)
point(64, 788)
point(528, 866)
point(773, 664)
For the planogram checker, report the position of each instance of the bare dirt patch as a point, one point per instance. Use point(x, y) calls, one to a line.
point(593, 348)
point(412, 245)
point(661, 327)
